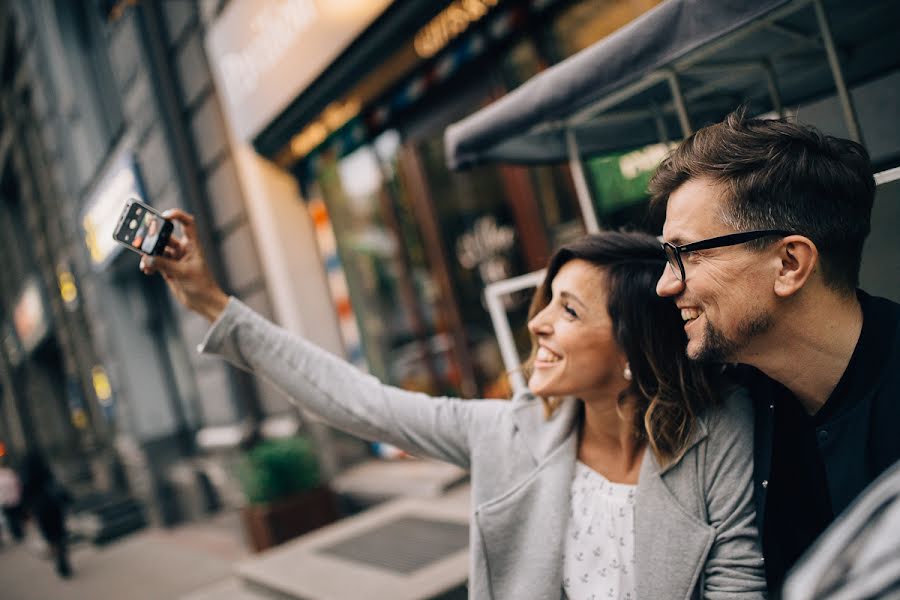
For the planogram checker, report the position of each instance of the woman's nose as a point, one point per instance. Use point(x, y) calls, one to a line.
point(539, 324)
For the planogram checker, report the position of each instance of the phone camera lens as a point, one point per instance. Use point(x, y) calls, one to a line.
point(132, 224)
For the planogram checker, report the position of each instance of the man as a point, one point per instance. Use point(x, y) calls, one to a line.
point(764, 230)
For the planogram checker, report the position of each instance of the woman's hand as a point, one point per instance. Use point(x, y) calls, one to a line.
point(184, 268)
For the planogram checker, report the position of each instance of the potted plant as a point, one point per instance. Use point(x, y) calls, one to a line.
point(285, 496)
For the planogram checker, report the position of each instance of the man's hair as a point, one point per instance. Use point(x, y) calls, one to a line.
point(779, 174)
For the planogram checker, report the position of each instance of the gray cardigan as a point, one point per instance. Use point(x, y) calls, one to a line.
point(695, 532)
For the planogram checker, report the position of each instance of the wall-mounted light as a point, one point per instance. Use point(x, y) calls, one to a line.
point(68, 290)
point(102, 388)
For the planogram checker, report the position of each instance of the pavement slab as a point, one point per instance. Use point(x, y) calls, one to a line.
point(156, 564)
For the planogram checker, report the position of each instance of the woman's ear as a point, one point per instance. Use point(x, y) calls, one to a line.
point(798, 257)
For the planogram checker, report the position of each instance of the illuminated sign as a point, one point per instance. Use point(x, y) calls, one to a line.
point(104, 206)
point(272, 30)
point(100, 381)
point(68, 289)
point(265, 52)
point(448, 24)
point(333, 117)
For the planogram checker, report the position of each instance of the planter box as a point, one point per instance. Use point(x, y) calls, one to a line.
point(271, 524)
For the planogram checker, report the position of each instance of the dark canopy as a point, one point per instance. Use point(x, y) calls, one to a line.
point(616, 94)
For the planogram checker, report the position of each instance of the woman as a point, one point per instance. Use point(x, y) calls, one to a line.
point(628, 425)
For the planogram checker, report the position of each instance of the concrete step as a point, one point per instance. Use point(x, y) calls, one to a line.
point(408, 549)
point(105, 518)
point(229, 589)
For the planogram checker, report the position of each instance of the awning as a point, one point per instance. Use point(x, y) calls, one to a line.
point(706, 55)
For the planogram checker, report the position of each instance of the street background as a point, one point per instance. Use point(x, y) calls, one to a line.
point(308, 138)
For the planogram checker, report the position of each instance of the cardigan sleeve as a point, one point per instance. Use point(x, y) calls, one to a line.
point(341, 394)
point(734, 568)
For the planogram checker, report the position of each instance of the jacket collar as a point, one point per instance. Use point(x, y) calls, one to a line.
point(543, 435)
point(540, 434)
point(700, 432)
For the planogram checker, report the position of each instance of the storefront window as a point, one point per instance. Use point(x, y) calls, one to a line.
point(552, 184)
point(392, 292)
point(485, 245)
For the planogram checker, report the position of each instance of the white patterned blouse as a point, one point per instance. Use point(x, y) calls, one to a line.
point(598, 560)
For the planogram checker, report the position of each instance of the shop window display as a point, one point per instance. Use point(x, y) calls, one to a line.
point(391, 290)
point(484, 246)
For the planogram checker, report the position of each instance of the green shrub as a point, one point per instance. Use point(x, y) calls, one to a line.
point(278, 468)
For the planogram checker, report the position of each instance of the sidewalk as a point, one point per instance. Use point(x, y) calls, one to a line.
point(157, 564)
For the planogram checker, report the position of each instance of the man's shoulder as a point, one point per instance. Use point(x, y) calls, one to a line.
point(883, 317)
point(759, 386)
point(884, 312)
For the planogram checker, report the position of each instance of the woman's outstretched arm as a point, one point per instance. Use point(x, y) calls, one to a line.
point(321, 382)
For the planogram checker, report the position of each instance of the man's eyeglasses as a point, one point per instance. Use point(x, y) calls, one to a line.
point(673, 252)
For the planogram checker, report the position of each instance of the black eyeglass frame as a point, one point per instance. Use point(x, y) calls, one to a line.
point(732, 239)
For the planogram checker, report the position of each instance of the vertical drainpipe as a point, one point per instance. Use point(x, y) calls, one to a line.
point(684, 118)
point(835, 64)
point(582, 190)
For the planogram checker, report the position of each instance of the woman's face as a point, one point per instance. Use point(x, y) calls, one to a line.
point(577, 353)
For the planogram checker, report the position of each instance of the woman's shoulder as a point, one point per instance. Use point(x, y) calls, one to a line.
point(731, 418)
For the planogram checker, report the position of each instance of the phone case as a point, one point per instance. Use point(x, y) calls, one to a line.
point(142, 229)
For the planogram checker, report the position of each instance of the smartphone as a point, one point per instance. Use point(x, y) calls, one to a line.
point(142, 229)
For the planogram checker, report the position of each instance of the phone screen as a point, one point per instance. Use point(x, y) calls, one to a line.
point(141, 228)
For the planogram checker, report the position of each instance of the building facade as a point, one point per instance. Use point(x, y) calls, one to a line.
point(99, 371)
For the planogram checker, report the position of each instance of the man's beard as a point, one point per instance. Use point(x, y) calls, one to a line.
point(718, 348)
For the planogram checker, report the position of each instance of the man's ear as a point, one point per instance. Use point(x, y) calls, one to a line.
point(798, 256)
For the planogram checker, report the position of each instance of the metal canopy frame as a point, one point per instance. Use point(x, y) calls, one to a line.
point(694, 63)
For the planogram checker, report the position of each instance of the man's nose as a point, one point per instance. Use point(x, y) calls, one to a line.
point(668, 284)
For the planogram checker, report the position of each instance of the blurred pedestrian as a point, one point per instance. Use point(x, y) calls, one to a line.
point(624, 471)
point(45, 499)
point(11, 499)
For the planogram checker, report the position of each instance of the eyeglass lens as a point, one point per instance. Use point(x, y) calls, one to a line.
point(674, 263)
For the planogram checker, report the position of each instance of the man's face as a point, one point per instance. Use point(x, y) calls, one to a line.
point(726, 299)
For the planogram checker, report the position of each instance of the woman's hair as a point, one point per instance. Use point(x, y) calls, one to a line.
point(668, 390)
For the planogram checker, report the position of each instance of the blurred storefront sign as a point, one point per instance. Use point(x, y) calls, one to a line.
point(486, 247)
point(265, 52)
point(102, 208)
point(620, 179)
point(30, 315)
point(450, 23)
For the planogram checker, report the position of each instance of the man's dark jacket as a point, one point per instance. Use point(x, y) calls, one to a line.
point(857, 443)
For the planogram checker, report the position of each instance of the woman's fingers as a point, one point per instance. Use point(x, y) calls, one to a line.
point(159, 264)
point(175, 248)
point(148, 265)
point(186, 219)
